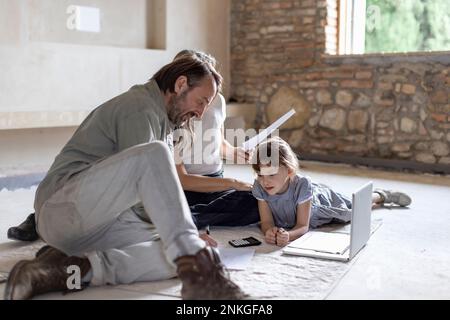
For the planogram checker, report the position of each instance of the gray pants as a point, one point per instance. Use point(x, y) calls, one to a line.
point(91, 216)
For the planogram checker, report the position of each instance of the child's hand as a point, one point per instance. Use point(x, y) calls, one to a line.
point(209, 241)
point(282, 237)
point(271, 235)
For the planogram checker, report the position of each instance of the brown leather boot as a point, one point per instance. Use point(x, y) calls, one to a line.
point(46, 273)
point(205, 278)
point(43, 250)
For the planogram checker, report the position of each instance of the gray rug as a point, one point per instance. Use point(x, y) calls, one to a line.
point(270, 275)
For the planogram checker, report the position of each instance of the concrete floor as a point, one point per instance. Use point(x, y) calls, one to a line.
point(406, 258)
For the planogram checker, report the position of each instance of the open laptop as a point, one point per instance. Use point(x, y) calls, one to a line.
point(338, 245)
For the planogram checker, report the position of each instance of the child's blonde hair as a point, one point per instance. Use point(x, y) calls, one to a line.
point(277, 148)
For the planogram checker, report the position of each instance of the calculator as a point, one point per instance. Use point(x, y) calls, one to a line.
point(245, 242)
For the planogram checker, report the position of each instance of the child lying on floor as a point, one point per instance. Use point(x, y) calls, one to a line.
point(290, 203)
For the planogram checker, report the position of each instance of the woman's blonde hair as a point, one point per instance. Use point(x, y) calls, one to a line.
point(274, 152)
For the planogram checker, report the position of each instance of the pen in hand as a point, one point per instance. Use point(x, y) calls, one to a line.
point(207, 238)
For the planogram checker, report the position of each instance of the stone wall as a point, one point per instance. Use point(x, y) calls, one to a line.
point(386, 106)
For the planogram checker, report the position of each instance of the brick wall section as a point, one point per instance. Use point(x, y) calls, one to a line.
point(380, 106)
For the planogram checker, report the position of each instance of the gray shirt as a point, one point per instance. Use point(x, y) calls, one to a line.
point(327, 205)
point(284, 206)
point(134, 117)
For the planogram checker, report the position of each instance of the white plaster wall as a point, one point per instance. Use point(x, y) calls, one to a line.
point(40, 71)
point(122, 23)
point(30, 150)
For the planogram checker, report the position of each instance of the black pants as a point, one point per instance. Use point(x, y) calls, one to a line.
point(225, 208)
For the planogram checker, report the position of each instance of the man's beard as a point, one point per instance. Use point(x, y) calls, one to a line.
point(175, 113)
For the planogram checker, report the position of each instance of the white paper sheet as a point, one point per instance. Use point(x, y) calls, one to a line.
point(323, 242)
point(253, 142)
point(236, 258)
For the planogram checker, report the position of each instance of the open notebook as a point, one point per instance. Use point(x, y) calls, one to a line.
point(324, 242)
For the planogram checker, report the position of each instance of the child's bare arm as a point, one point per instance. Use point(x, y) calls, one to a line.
point(267, 225)
point(302, 225)
point(265, 215)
